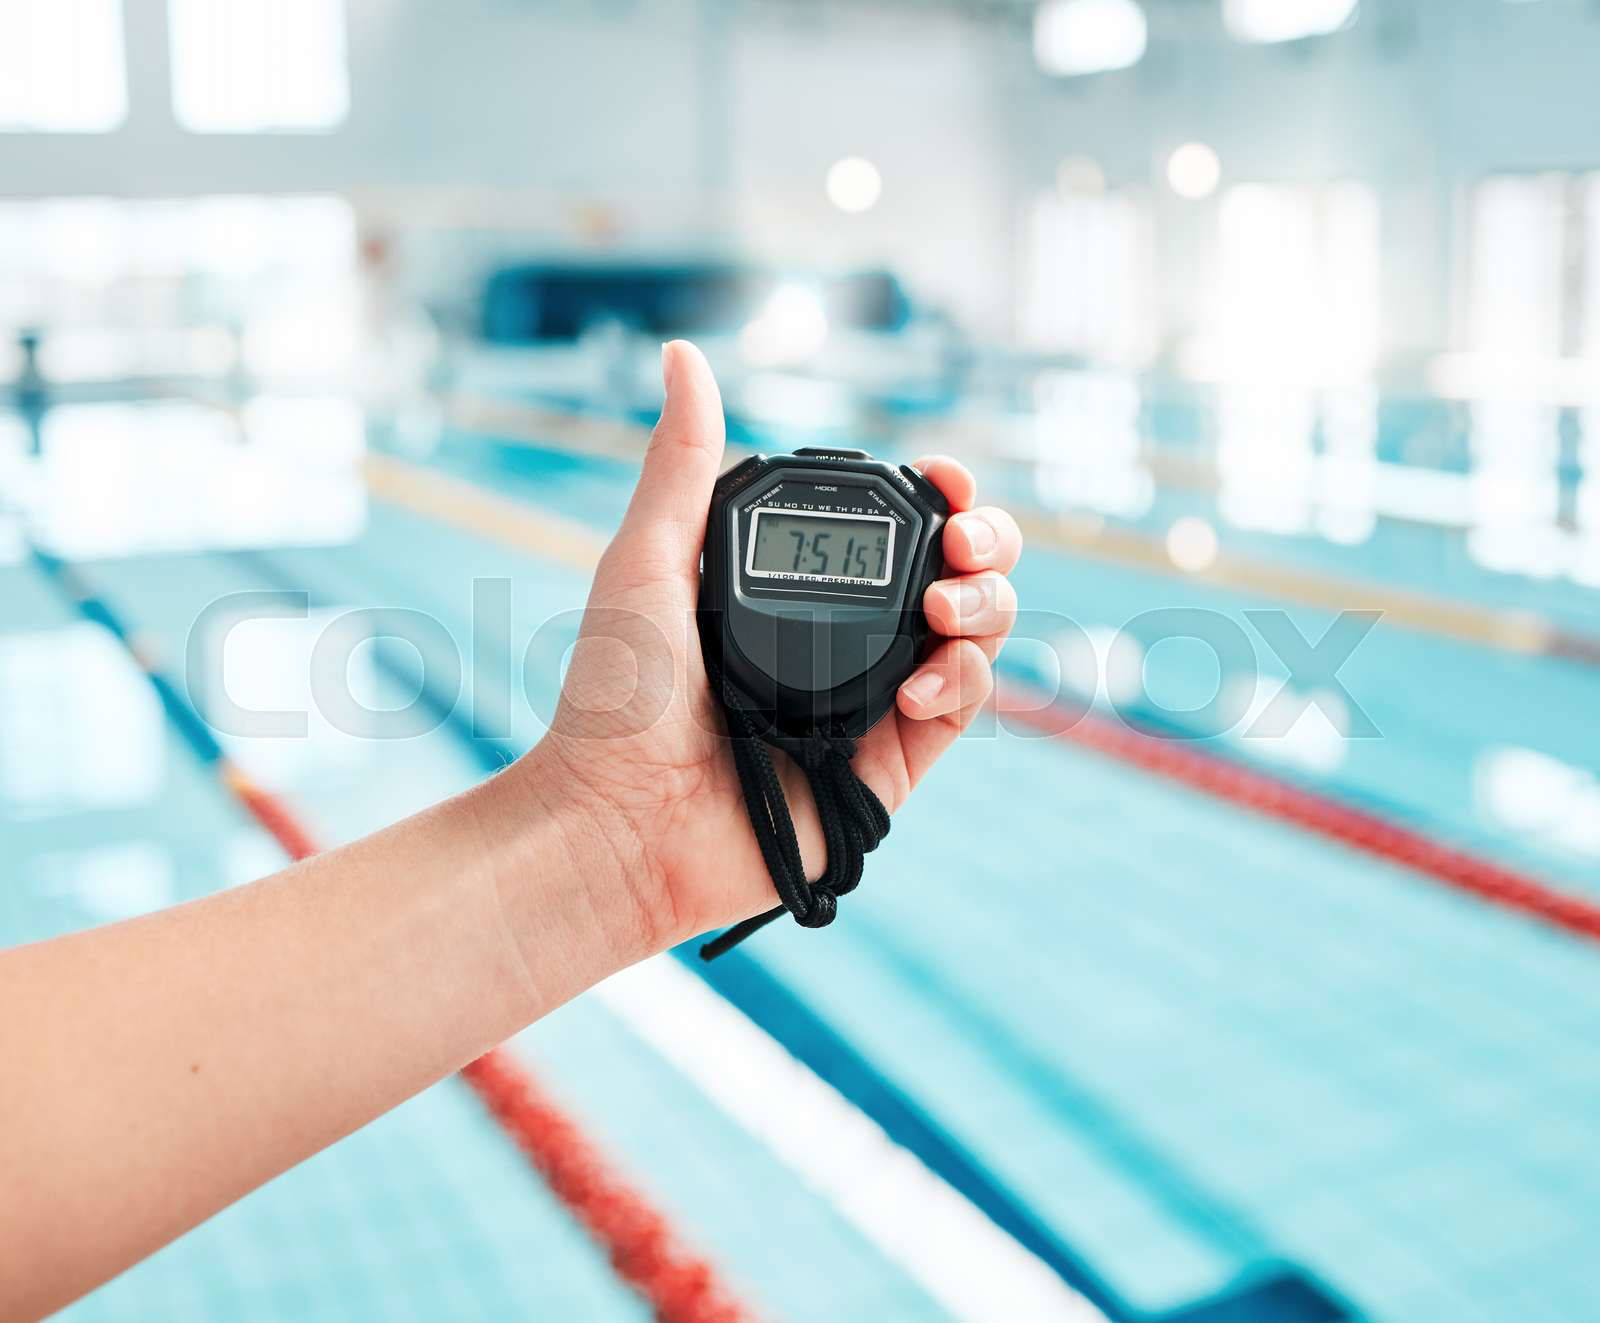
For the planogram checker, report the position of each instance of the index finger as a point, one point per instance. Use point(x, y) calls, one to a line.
point(951, 477)
point(983, 539)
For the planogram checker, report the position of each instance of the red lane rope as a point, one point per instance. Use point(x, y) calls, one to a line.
point(645, 1250)
point(270, 812)
point(1317, 813)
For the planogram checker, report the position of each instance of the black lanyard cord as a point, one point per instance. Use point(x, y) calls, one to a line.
point(853, 819)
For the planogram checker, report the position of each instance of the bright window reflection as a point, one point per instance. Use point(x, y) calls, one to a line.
point(1552, 803)
point(111, 882)
point(1516, 450)
point(1266, 457)
point(119, 479)
point(253, 66)
point(1319, 739)
point(1586, 503)
point(266, 665)
point(61, 66)
point(1086, 443)
point(83, 729)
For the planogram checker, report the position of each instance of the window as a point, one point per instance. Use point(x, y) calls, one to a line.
point(1296, 297)
point(1524, 308)
point(1087, 277)
point(163, 287)
point(61, 66)
point(253, 66)
point(1588, 230)
point(1517, 285)
point(1292, 338)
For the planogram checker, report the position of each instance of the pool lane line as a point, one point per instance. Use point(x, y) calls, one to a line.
point(977, 1270)
point(1525, 633)
point(468, 507)
point(644, 1248)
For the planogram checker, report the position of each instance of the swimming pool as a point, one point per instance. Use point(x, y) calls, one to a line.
point(1194, 1046)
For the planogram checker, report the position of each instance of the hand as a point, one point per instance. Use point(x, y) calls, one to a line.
point(637, 739)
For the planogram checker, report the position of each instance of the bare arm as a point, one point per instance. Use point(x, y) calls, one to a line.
point(151, 1072)
point(156, 1070)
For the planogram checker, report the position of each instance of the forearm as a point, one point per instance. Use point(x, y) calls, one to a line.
point(156, 1070)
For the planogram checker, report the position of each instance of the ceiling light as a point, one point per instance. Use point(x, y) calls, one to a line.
point(1088, 36)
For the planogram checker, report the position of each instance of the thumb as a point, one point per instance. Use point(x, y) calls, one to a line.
point(667, 516)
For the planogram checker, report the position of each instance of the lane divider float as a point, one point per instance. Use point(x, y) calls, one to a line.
point(1320, 814)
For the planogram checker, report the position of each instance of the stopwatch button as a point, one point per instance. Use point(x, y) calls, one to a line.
point(740, 474)
point(832, 452)
point(924, 488)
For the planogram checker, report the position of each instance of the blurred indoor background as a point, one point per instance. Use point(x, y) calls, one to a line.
point(1277, 309)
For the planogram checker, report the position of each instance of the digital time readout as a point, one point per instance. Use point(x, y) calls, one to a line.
point(787, 543)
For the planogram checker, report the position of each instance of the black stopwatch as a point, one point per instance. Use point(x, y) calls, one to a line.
point(811, 588)
point(811, 585)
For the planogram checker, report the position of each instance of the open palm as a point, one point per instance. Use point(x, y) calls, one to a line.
point(637, 727)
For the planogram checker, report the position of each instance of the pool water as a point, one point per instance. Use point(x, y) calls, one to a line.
point(1194, 1047)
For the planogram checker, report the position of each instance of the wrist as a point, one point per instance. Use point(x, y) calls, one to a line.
point(574, 885)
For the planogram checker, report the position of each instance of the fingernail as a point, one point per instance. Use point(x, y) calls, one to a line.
point(923, 687)
point(666, 367)
point(967, 599)
point(980, 535)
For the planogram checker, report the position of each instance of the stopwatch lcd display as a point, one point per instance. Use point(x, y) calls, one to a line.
point(800, 544)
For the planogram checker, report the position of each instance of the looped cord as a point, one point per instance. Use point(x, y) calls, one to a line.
point(853, 819)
